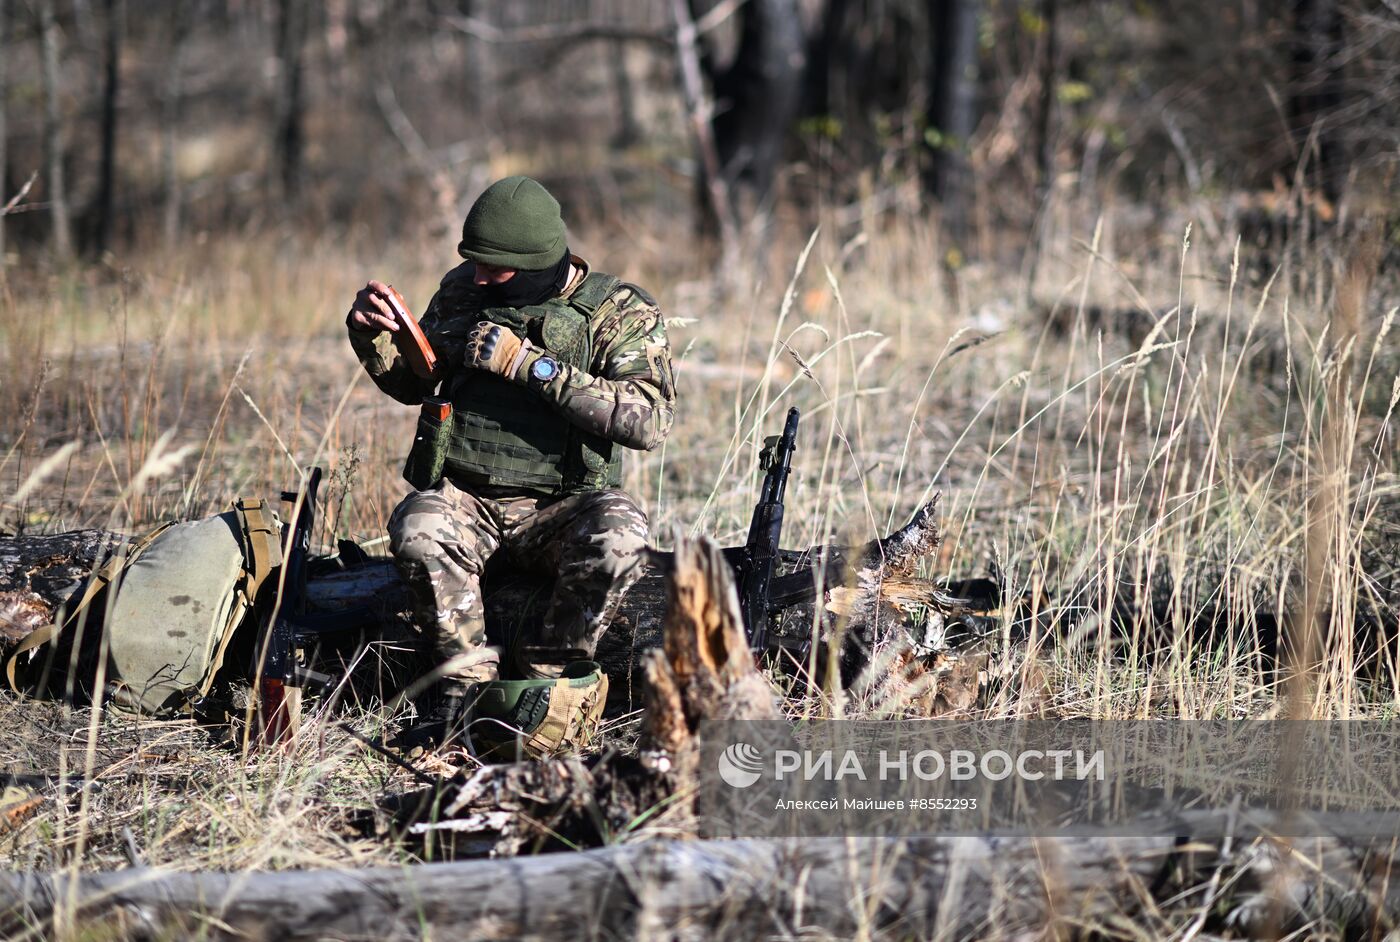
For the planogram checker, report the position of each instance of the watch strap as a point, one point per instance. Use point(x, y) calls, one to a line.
point(521, 362)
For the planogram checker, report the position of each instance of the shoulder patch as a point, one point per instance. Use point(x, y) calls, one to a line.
point(641, 293)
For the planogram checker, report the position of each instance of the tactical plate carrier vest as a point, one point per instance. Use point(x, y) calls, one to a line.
point(503, 434)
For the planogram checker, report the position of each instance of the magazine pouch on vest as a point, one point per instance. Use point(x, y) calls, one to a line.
point(175, 599)
point(425, 459)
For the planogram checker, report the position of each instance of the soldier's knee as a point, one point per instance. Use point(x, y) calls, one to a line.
point(418, 540)
point(435, 541)
point(614, 511)
point(418, 512)
point(613, 536)
point(412, 545)
point(619, 552)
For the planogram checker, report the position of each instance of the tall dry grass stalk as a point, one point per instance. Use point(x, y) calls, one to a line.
point(1321, 649)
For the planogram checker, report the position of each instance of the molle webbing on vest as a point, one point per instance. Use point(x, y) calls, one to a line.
point(503, 434)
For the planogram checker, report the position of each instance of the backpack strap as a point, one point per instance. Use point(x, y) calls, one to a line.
point(262, 553)
point(100, 579)
point(261, 544)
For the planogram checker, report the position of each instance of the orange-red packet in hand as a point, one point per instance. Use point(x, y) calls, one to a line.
point(409, 337)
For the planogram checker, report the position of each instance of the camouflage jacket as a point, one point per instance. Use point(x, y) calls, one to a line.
point(627, 397)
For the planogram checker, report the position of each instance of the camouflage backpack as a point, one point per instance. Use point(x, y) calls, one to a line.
point(174, 599)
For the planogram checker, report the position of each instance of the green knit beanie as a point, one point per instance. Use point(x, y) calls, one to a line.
point(514, 224)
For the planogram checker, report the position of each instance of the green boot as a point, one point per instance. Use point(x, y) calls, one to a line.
point(514, 719)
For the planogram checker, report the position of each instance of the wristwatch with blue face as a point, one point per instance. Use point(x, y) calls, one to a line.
point(544, 369)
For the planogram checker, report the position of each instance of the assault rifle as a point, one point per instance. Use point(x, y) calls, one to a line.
point(293, 633)
point(279, 688)
point(760, 553)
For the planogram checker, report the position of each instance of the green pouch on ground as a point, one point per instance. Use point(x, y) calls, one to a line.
point(536, 718)
point(423, 469)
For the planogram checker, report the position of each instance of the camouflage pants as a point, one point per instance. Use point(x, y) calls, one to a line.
point(441, 538)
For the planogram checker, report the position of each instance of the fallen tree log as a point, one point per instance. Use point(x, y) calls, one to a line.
point(913, 887)
point(38, 574)
point(738, 889)
point(867, 588)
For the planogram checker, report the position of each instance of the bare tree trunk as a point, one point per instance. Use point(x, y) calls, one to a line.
point(1045, 130)
point(954, 97)
point(699, 110)
point(292, 18)
point(757, 98)
point(4, 132)
point(169, 125)
point(628, 130)
point(1045, 136)
point(1317, 93)
point(337, 35)
point(759, 95)
point(111, 87)
point(475, 64)
point(62, 231)
point(826, 53)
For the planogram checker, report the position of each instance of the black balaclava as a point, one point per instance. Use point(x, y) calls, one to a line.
point(530, 287)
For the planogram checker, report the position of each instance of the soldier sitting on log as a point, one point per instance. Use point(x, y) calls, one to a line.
point(547, 371)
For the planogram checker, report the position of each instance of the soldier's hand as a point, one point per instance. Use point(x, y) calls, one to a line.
point(497, 349)
point(371, 312)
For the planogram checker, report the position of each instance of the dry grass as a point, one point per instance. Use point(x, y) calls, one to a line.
point(1223, 458)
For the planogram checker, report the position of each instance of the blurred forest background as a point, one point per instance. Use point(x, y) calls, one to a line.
point(143, 123)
